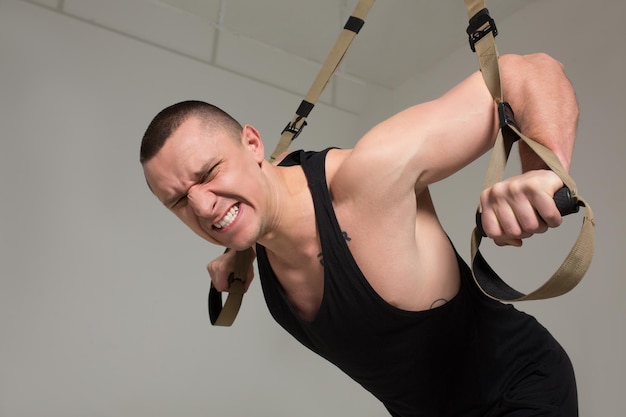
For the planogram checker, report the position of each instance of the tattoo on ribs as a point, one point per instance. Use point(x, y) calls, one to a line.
point(438, 303)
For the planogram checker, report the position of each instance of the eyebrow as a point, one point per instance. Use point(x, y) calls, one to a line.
point(173, 200)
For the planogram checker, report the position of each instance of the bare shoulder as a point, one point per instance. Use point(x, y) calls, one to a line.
point(418, 254)
point(334, 160)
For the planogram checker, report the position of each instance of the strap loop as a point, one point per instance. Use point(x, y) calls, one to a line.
point(578, 260)
point(225, 315)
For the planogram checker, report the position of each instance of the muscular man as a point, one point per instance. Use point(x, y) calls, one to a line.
point(352, 258)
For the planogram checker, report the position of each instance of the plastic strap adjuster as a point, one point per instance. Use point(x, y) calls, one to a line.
point(303, 111)
point(506, 115)
point(474, 30)
point(293, 128)
point(354, 24)
point(305, 108)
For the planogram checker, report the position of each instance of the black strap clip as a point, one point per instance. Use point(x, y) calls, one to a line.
point(302, 113)
point(294, 129)
point(506, 115)
point(477, 22)
point(354, 24)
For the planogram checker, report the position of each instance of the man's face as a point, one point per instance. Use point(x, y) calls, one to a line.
point(212, 182)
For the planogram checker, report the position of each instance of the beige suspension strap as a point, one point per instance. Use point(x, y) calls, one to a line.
point(225, 316)
point(482, 32)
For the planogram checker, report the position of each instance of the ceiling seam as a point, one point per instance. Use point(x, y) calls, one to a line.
point(217, 30)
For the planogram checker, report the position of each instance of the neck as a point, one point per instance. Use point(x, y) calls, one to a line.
point(290, 212)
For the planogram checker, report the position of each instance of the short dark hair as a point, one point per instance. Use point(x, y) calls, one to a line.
point(170, 119)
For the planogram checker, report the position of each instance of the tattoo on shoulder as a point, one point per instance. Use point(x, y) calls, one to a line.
point(438, 303)
point(320, 256)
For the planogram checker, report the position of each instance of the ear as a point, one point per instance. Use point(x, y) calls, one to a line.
point(251, 139)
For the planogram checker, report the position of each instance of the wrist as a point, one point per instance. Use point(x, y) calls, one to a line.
point(531, 161)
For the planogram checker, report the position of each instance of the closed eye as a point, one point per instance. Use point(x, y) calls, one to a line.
point(179, 202)
point(207, 174)
point(202, 178)
point(205, 177)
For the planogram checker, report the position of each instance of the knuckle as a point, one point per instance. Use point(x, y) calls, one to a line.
point(500, 189)
point(553, 220)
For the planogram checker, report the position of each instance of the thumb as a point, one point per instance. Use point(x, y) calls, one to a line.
point(509, 242)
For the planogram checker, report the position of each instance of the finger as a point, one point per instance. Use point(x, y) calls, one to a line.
point(218, 271)
point(509, 225)
point(528, 219)
point(509, 242)
point(489, 224)
point(496, 211)
point(221, 269)
point(512, 215)
point(547, 211)
point(540, 191)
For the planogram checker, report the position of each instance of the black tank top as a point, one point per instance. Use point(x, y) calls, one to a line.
point(454, 360)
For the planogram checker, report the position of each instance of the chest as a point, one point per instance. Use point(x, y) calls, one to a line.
point(397, 248)
point(301, 280)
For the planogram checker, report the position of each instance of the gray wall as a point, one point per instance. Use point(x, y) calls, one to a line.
point(103, 292)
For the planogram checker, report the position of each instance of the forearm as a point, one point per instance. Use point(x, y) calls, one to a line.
point(544, 103)
point(428, 142)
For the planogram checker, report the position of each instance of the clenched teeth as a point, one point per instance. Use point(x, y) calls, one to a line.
point(228, 218)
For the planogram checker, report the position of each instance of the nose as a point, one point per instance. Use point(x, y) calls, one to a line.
point(201, 200)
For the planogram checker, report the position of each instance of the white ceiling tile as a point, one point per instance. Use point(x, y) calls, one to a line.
point(49, 3)
point(400, 39)
point(151, 21)
point(207, 9)
point(248, 57)
point(304, 28)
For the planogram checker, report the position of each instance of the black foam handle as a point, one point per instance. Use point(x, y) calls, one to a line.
point(564, 202)
point(215, 304)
